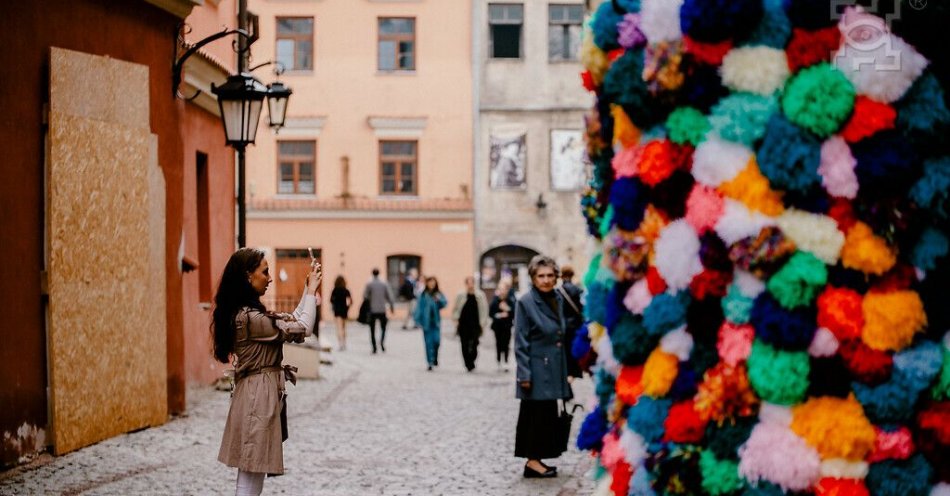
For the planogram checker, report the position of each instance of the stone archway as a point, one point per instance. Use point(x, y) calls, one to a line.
point(506, 261)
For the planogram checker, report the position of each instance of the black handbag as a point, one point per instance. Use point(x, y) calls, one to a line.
point(562, 431)
point(363, 316)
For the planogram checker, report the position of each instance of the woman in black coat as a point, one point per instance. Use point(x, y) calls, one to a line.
point(542, 368)
point(502, 311)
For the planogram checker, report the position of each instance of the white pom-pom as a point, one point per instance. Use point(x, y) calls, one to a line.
point(716, 161)
point(677, 254)
point(605, 357)
point(603, 486)
point(840, 468)
point(946, 340)
point(837, 168)
point(816, 234)
point(883, 66)
point(940, 489)
point(660, 20)
point(749, 285)
point(634, 447)
point(678, 342)
point(770, 413)
point(824, 344)
point(738, 222)
point(756, 69)
point(638, 297)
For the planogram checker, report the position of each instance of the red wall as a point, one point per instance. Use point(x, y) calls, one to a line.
point(129, 30)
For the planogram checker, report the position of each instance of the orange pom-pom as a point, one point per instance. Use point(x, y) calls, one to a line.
point(659, 372)
point(835, 427)
point(839, 311)
point(660, 158)
point(866, 252)
point(625, 131)
point(725, 393)
point(628, 386)
point(892, 319)
point(752, 189)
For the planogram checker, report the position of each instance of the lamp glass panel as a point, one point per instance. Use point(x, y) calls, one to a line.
point(277, 110)
point(233, 116)
point(254, 115)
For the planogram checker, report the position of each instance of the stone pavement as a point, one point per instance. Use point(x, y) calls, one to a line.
point(373, 425)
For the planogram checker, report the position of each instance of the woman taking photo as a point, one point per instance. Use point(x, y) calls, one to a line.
point(341, 301)
point(252, 339)
point(427, 316)
point(542, 368)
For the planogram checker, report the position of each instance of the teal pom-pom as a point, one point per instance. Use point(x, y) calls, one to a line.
point(624, 85)
point(774, 29)
point(886, 403)
point(736, 306)
point(666, 312)
point(819, 98)
point(742, 117)
point(922, 113)
point(604, 27)
point(763, 489)
point(687, 126)
point(606, 222)
point(596, 310)
point(798, 281)
point(910, 477)
point(933, 245)
point(789, 156)
point(932, 191)
point(724, 440)
point(605, 385)
point(647, 416)
point(631, 341)
point(915, 368)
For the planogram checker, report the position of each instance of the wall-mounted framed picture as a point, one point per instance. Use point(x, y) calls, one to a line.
point(508, 161)
point(569, 169)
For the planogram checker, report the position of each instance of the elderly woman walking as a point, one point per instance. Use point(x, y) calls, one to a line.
point(542, 368)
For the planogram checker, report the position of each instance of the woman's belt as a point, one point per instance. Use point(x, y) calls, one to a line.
point(290, 372)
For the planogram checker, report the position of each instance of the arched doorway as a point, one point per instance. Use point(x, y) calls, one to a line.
point(507, 261)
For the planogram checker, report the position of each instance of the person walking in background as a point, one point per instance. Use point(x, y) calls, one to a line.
point(379, 296)
point(542, 368)
point(573, 316)
point(427, 315)
point(502, 311)
point(252, 339)
point(470, 314)
point(341, 301)
point(408, 293)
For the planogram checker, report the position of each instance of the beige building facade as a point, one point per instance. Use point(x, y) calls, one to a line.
point(529, 166)
point(374, 166)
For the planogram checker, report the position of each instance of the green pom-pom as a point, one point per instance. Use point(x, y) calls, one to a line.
point(591, 275)
point(941, 390)
point(799, 281)
point(687, 126)
point(779, 377)
point(736, 306)
point(719, 476)
point(820, 99)
point(742, 117)
point(631, 341)
point(607, 221)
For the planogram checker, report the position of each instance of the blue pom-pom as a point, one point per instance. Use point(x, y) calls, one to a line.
point(933, 245)
point(613, 306)
point(647, 416)
point(932, 191)
point(703, 88)
point(774, 30)
point(666, 312)
point(592, 431)
point(604, 27)
point(782, 328)
point(910, 477)
point(628, 197)
point(581, 344)
point(922, 113)
point(810, 14)
point(886, 165)
point(713, 21)
point(890, 402)
point(640, 483)
point(742, 117)
point(916, 367)
point(685, 385)
point(789, 156)
point(595, 310)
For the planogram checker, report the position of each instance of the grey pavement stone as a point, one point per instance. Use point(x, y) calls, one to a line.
point(373, 424)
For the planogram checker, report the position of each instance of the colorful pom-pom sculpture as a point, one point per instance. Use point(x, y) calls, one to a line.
point(768, 307)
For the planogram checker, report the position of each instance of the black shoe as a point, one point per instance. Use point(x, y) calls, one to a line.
point(549, 467)
point(530, 473)
point(430, 368)
point(383, 347)
point(374, 351)
point(435, 363)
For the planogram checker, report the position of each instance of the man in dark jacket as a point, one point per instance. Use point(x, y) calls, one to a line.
point(379, 296)
point(573, 315)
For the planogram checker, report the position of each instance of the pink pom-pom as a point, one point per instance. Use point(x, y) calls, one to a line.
point(704, 207)
point(625, 163)
point(775, 454)
point(638, 297)
point(612, 452)
point(837, 168)
point(824, 344)
point(735, 342)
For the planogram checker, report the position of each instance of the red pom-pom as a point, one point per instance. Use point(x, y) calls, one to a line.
point(629, 388)
point(868, 118)
point(811, 47)
point(683, 424)
point(707, 53)
point(866, 365)
point(933, 437)
point(839, 311)
point(842, 212)
point(587, 79)
point(894, 445)
point(655, 282)
point(620, 485)
point(901, 277)
point(710, 283)
point(841, 487)
point(615, 54)
point(658, 159)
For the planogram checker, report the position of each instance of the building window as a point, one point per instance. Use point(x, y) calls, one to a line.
point(505, 21)
point(397, 167)
point(397, 44)
point(297, 163)
point(564, 31)
point(295, 43)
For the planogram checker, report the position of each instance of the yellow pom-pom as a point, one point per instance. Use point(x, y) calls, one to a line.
point(892, 319)
point(752, 189)
point(866, 252)
point(659, 372)
point(594, 59)
point(625, 132)
point(835, 427)
point(595, 332)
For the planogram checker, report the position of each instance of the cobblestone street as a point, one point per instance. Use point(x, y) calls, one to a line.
point(374, 424)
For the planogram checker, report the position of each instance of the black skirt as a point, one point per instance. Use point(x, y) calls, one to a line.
point(535, 437)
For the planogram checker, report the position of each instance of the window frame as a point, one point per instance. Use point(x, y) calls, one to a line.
point(278, 36)
point(296, 160)
point(506, 22)
point(565, 27)
point(400, 160)
point(397, 38)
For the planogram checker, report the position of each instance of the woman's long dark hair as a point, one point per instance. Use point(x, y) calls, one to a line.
point(435, 289)
point(234, 293)
point(339, 283)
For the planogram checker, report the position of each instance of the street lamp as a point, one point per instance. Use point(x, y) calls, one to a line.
point(277, 96)
point(241, 99)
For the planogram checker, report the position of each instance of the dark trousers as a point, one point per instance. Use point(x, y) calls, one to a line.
point(502, 342)
point(381, 317)
point(469, 341)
